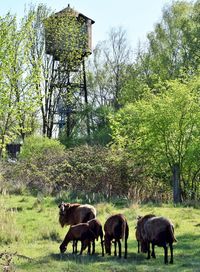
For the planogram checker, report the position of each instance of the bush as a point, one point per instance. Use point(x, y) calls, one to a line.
point(39, 165)
point(35, 147)
point(83, 174)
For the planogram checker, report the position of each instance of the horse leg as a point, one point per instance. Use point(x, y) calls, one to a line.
point(138, 243)
point(171, 252)
point(120, 248)
point(148, 251)
point(115, 245)
point(102, 246)
point(89, 247)
point(93, 247)
point(126, 247)
point(166, 254)
point(82, 248)
point(153, 255)
point(74, 246)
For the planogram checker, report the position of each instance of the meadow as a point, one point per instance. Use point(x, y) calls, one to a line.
point(30, 236)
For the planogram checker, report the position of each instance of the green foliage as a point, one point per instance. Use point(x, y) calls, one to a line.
point(36, 147)
point(100, 125)
point(171, 52)
point(85, 173)
point(18, 99)
point(66, 36)
point(39, 167)
point(135, 88)
point(99, 128)
point(89, 172)
point(163, 130)
point(173, 45)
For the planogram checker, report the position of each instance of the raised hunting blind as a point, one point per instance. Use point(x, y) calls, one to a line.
point(68, 41)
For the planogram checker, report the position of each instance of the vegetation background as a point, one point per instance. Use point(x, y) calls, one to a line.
point(134, 129)
point(128, 143)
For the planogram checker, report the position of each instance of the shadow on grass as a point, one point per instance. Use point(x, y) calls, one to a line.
point(134, 262)
point(186, 258)
point(92, 258)
point(85, 259)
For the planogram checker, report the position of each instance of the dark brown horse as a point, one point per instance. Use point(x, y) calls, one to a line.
point(157, 231)
point(74, 213)
point(116, 228)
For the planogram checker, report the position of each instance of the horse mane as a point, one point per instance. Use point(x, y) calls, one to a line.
point(143, 219)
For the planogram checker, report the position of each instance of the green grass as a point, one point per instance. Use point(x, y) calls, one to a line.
point(29, 230)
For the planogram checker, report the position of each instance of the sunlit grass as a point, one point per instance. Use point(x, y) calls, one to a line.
point(29, 227)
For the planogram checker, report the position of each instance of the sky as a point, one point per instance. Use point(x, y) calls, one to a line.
point(137, 17)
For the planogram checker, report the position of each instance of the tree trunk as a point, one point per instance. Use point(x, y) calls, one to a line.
point(176, 184)
point(68, 126)
point(86, 101)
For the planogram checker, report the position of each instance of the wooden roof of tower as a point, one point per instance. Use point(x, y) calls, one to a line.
point(76, 13)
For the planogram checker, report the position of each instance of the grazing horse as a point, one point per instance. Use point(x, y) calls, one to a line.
point(157, 231)
point(116, 228)
point(74, 213)
point(80, 232)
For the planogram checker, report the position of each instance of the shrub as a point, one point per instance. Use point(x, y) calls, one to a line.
point(36, 147)
point(84, 173)
point(39, 165)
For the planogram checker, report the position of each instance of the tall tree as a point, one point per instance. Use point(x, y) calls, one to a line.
point(174, 40)
point(162, 132)
point(106, 76)
point(117, 57)
point(18, 97)
point(171, 51)
point(109, 65)
point(174, 44)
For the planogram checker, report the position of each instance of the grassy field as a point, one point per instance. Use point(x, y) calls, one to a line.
point(30, 236)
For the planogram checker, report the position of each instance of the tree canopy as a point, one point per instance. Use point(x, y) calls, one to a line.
point(145, 106)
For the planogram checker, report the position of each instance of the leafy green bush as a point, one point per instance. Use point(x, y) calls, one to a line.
point(39, 166)
point(37, 147)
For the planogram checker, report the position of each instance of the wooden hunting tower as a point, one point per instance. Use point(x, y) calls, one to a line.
point(68, 40)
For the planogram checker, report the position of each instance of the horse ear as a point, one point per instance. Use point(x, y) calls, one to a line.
point(62, 203)
point(67, 205)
